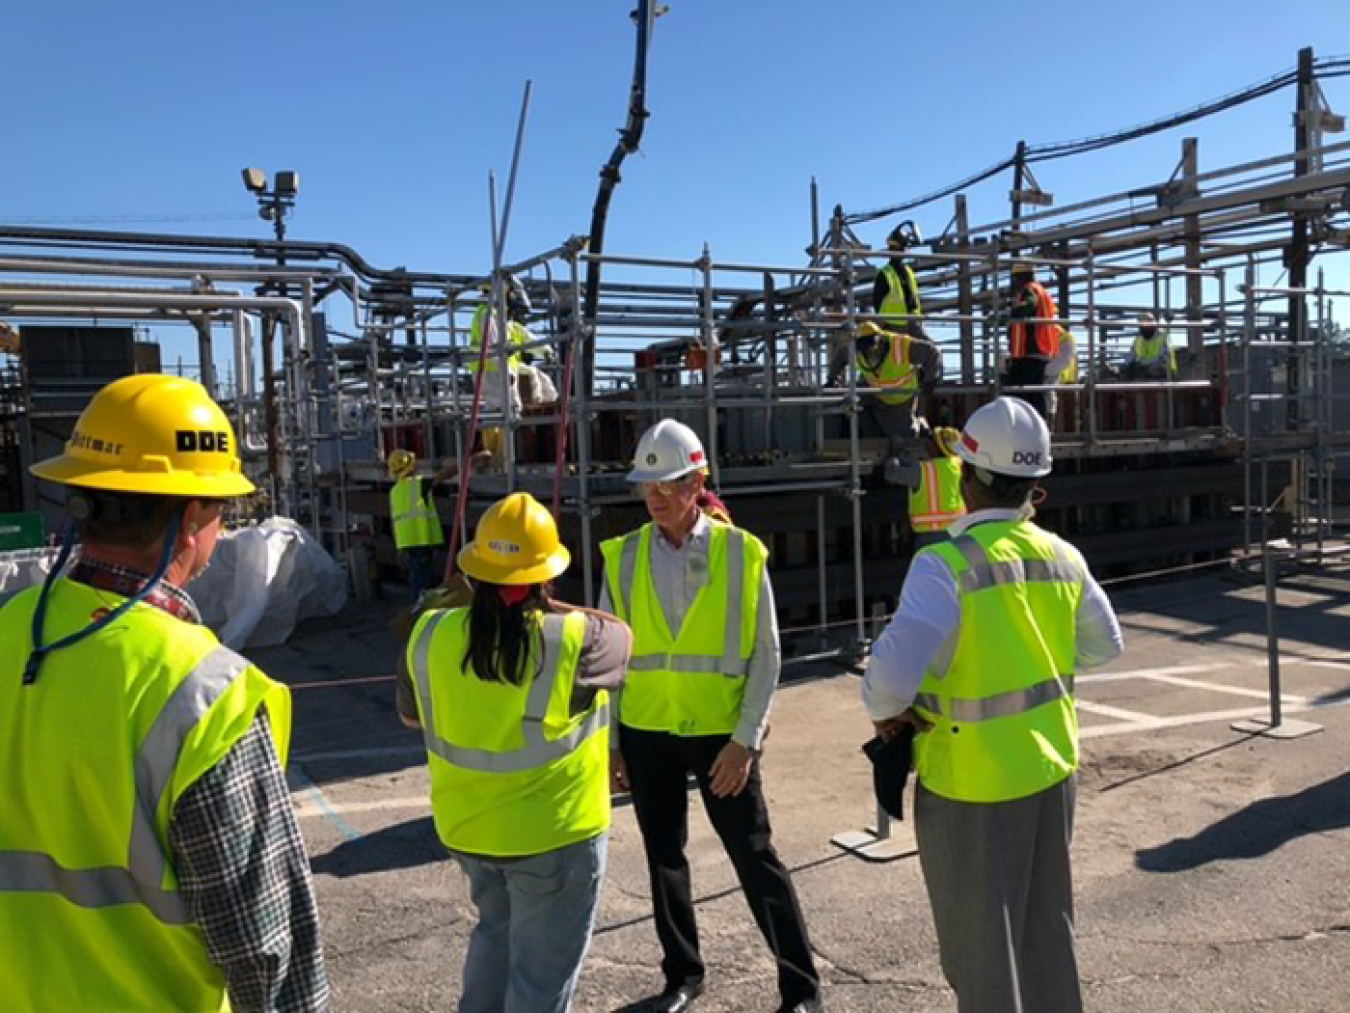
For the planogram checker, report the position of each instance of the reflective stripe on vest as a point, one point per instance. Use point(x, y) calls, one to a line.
point(937, 501)
point(895, 376)
point(537, 750)
point(416, 521)
point(731, 663)
point(515, 771)
point(156, 762)
point(1044, 342)
point(1001, 703)
point(691, 680)
point(895, 306)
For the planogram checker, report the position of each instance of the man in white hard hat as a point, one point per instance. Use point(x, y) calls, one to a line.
point(980, 658)
point(704, 668)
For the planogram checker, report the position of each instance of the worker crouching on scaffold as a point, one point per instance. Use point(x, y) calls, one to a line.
point(512, 697)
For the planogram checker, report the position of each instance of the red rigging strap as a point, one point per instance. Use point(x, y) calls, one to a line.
point(466, 464)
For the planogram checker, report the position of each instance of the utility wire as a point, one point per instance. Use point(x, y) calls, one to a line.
point(1326, 67)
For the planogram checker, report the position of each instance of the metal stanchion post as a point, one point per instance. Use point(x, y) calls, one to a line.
point(1275, 727)
point(876, 843)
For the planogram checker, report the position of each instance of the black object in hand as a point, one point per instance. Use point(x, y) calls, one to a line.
point(891, 760)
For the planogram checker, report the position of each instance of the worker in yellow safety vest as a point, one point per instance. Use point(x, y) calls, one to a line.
point(899, 371)
point(149, 853)
point(500, 389)
point(511, 695)
point(415, 519)
point(705, 665)
point(895, 291)
point(1151, 356)
point(980, 658)
point(935, 500)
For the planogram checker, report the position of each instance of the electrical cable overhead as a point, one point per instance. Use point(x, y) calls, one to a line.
point(1325, 67)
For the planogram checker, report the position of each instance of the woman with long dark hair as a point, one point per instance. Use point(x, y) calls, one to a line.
point(511, 696)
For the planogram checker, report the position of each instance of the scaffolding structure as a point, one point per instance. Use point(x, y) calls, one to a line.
point(331, 363)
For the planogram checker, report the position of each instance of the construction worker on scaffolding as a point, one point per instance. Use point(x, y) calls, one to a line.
point(511, 694)
point(1151, 356)
point(149, 852)
point(705, 666)
point(523, 384)
point(935, 501)
point(895, 291)
point(979, 659)
point(1033, 337)
point(899, 370)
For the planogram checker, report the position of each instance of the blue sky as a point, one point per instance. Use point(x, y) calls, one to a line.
point(394, 113)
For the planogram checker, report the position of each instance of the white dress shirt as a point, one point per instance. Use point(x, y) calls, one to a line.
point(923, 631)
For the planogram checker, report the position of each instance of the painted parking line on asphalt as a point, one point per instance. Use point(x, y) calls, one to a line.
point(311, 802)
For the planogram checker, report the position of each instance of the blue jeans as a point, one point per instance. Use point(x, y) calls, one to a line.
point(420, 562)
point(535, 917)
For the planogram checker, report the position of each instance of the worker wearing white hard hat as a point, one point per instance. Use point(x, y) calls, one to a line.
point(696, 593)
point(1151, 355)
point(980, 659)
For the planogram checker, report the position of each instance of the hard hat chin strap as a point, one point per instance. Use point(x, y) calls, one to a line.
point(40, 650)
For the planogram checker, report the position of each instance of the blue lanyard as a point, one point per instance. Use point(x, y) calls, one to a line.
point(41, 650)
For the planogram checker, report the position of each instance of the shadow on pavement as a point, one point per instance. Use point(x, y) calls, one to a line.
point(402, 846)
point(1257, 830)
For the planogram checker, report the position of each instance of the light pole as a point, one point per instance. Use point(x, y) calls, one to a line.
point(273, 206)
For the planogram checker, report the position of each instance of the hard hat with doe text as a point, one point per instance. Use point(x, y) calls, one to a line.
point(1007, 437)
point(516, 543)
point(155, 435)
point(667, 451)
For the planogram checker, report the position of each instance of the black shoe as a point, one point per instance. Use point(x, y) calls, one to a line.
point(805, 1006)
point(673, 1000)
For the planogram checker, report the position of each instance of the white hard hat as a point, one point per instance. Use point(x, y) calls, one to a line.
point(1147, 320)
point(668, 450)
point(1007, 437)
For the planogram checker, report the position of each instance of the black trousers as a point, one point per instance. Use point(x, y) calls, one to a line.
point(1031, 372)
point(658, 768)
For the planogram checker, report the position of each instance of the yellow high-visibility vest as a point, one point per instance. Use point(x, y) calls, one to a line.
point(895, 307)
point(1004, 725)
point(416, 521)
point(936, 501)
point(896, 376)
point(516, 335)
point(96, 754)
point(690, 681)
point(1155, 351)
point(513, 771)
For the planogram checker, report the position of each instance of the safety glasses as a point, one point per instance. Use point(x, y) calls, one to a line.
point(664, 490)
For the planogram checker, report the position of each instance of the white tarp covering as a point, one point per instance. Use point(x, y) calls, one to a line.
point(22, 568)
point(263, 580)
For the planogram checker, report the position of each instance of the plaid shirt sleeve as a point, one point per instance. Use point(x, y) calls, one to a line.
point(244, 875)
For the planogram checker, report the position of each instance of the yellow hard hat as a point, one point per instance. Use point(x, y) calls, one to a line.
point(401, 463)
point(151, 434)
point(1023, 267)
point(948, 439)
point(516, 543)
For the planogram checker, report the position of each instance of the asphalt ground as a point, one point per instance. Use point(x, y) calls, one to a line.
point(1212, 866)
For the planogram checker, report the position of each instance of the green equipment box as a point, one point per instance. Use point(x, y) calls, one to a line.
point(21, 531)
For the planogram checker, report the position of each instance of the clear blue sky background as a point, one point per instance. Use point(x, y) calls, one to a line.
point(394, 113)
